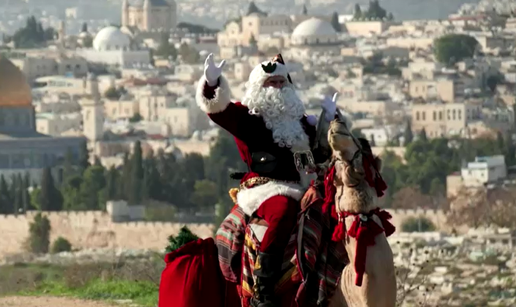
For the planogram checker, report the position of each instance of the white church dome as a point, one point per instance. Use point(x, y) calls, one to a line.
point(111, 38)
point(314, 31)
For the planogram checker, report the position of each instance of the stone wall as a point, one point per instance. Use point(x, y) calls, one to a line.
point(96, 229)
point(93, 229)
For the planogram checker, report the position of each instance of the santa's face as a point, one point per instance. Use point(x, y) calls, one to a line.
point(277, 103)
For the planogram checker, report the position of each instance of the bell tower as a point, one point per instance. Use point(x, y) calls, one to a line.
point(92, 111)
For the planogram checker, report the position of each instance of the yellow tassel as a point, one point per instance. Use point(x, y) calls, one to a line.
point(233, 194)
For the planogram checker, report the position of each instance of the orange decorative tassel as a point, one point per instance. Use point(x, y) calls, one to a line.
point(233, 194)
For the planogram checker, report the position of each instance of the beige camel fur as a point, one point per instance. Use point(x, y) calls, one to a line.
point(355, 195)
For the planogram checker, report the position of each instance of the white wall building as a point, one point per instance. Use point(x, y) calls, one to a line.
point(484, 170)
point(113, 47)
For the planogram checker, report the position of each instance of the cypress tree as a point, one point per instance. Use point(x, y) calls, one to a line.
point(125, 181)
point(112, 184)
point(5, 205)
point(135, 193)
point(50, 197)
point(335, 22)
point(422, 135)
point(26, 196)
point(408, 136)
point(84, 157)
point(68, 165)
point(152, 181)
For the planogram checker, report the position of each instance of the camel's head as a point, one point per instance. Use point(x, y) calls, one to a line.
point(357, 170)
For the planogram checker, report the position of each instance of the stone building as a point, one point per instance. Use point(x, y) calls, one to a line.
point(150, 16)
point(22, 148)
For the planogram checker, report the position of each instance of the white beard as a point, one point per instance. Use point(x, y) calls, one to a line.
point(282, 111)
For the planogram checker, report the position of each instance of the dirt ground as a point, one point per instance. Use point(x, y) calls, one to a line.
point(17, 301)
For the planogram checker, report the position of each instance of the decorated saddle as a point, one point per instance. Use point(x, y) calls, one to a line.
point(312, 262)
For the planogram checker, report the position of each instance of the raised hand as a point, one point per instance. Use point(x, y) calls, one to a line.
point(329, 105)
point(212, 72)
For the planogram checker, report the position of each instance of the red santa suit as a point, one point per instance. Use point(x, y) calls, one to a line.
point(274, 196)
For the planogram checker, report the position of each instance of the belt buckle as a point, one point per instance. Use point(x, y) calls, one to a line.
point(298, 160)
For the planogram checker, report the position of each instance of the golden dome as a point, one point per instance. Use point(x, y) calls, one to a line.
point(14, 89)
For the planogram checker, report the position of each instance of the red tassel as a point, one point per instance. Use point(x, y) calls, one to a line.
point(339, 233)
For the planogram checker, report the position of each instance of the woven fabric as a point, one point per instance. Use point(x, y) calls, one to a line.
point(230, 244)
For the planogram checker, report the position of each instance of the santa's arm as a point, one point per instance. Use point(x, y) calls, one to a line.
point(215, 102)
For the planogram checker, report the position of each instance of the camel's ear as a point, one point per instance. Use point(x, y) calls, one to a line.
point(378, 163)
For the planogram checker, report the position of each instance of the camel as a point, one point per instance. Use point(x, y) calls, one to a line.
point(356, 197)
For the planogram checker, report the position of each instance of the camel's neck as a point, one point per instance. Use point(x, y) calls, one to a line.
point(355, 200)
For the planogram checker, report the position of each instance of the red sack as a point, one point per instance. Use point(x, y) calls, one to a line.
point(192, 277)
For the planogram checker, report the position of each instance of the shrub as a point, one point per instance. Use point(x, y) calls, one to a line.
point(420, 224)
point(60, 245)
point(39, 235)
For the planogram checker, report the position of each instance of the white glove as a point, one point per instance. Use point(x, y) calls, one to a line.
point(329, 105)
point(212, 72)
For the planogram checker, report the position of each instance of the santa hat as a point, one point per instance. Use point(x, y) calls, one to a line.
point(266, 69)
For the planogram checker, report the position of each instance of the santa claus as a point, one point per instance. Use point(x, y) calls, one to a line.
point(274, 137)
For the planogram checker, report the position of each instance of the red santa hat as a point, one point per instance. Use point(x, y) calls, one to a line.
point(266, 69)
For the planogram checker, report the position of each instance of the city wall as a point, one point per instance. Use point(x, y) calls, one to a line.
point(96, 229)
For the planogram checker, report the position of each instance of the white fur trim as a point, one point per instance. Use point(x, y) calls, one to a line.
point(251, 199)
point(221, 100)
point(259, 231)
point(258, 75)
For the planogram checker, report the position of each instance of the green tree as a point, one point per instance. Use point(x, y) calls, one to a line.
point(6, 206)
point(32, 35)
point(50, 197)
point(408, 136)
point(390, 17)
point(135, 193)
point(152, 181)
point(135, 118)
point(358, 12)
point(205, 195)
point(112, 93)
point(305, 11)
point(39, 234)
point(375, 11)
point(93, 184)
point(17, 187)
point(252, 40)
point(422, 135)
point(84, 27)
point(61, 245)
point(509, 151)
point(452, 48)
point(125, 181)
point(189, 54)
point(84, 157)
point(68, 162)
point(254, 9)
point(166, 49)
point(112, 184)
point(335, 22)
point(420, 224)
point(35, 198)
point(26, 205)
point(71, 193)
point(87, 42)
